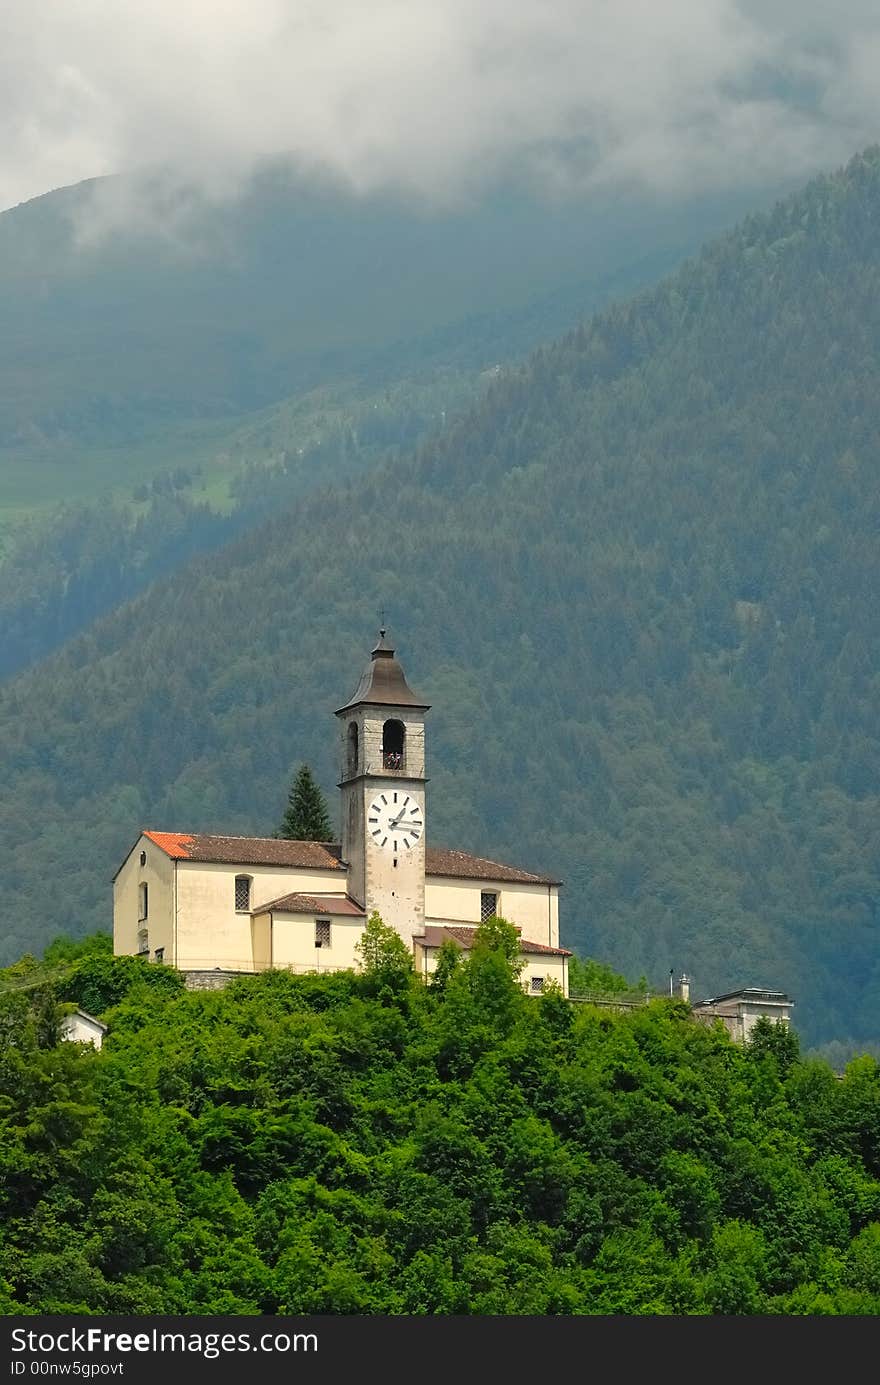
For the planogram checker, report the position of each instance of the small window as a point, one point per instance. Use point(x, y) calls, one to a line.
point(242, 894)
point(143, 943)
point(536, 985)
point(143, 858)
point(322, 932)
point(488, 905)
point(143, 901)
point(160, 954)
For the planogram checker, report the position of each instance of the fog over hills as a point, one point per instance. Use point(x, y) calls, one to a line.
point(208, 311)
point(167, 357)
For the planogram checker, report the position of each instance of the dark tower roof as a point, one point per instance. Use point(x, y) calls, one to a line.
point(383, 682)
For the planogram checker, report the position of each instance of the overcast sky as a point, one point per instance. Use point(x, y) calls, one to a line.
point(437, 95)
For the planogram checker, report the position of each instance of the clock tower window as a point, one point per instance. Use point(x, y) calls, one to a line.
point(393, 745)
point(351, 757)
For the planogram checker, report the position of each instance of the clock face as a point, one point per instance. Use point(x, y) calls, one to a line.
point(394, 820)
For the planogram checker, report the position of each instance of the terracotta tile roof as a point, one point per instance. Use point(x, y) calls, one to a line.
point(174, 844)
point(435, 935)
point(273, 851)
point(312, 904)
point(460, 864)
point(247, 851)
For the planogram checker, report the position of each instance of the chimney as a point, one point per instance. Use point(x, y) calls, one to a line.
point(685, 986)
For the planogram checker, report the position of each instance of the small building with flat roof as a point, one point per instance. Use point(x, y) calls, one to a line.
point(739, 1011)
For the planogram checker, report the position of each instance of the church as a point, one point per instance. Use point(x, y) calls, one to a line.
point(216, 906)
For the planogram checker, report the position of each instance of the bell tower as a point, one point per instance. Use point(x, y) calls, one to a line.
point(382, 783)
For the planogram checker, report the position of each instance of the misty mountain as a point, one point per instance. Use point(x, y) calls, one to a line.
point(637, 581)
point(118, 324)
point(175, 370)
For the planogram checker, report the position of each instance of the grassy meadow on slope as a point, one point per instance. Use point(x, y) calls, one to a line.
point(638, 584)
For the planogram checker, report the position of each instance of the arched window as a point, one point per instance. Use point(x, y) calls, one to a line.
point(351, 758)
point(242, 894)
point(393, 738)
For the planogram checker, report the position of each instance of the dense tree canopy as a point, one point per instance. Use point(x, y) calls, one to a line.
point(363, 1144)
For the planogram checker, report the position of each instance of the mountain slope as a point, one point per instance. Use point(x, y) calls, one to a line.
point(638, 585)
point(145, 357)
point(121, 329)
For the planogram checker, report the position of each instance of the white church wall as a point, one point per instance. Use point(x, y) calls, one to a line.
point(157, 873)
point(261, 941)
point(544, 969)
point(293, 943)
point(534, 908)
point(209, 930)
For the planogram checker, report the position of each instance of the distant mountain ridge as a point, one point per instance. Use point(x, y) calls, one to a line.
point(299, 329)
point(296, 284)
point(638, 583)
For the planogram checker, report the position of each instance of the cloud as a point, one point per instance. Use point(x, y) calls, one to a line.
point(436, 97)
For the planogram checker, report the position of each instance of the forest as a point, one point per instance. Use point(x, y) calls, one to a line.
point(92, 511)
point(637, 581)
point(361, 1143)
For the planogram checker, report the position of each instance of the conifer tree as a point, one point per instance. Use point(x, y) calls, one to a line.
point(306, 818)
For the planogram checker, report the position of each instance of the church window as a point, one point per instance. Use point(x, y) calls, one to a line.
point(143, 942)
point(322, 932)
point(242, 894)
point(393, 736)
point(143, 900)
point(351, 759)
point(488, 905)
point(536, 985)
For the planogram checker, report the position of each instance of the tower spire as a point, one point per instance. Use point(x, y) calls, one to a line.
point(382, 646)
point(383, 681)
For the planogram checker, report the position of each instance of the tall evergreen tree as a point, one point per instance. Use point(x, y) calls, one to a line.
point(306, 818)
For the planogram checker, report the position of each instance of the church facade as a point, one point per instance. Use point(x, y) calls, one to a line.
point(206, 903)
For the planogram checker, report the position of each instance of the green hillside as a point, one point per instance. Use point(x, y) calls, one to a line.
point(277, 343)
point(131, 346)
point(63, 568)
point(365, 1144)
point(638, 583)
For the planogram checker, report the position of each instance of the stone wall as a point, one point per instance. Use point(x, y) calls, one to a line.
point(210, 980)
